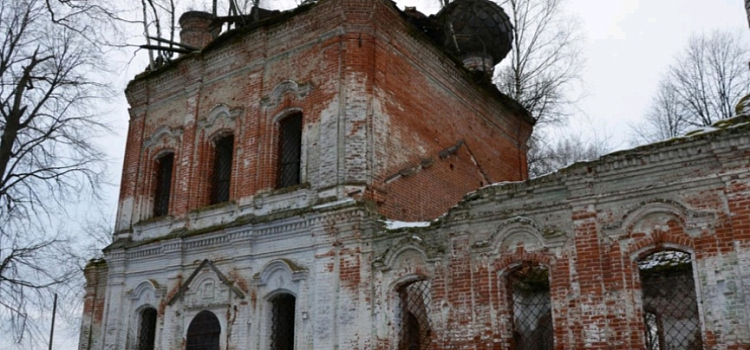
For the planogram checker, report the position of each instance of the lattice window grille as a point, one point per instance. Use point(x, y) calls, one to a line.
point(668, 291)
point(282, 322)
point(222, 170)
point(416, 328)
point(531, 308)
point(165, 165)
point(147, 329)
point(204, 332)
point(290, 151)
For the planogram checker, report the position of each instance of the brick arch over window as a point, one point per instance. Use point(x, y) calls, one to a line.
point(662, 215)
point(204, 332)
point(289, 150)
point(407, 272)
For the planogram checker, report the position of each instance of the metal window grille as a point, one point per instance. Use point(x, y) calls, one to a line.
point(147, 329)
point(204, 332)
point(531, 308)
point(282, 322)
point(290, 150)
point(416, 330)
point(671, 320)
point(222, 171)
point(165, 164)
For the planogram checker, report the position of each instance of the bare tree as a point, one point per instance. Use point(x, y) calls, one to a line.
point(48, 161)
point(545, 61)
point(547, 157)
point(664, 119)
point(542, 70)
point(702, 87)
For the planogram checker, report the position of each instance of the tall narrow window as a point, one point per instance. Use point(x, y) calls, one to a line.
point(147, 329)
point(530, 303)
point(670, 305)
point(204, 332)
point(164, 168)
point(222, 170)
point(290, 150)
point(416, 330)
point(282, 322)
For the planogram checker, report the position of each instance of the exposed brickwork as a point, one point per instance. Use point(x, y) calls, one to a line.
point(375, 98)
point(93, 305)
point(393, 128)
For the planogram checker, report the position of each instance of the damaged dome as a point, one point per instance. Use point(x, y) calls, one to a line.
point(477, 31)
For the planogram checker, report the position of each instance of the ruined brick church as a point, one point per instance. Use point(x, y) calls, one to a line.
point(345, 176)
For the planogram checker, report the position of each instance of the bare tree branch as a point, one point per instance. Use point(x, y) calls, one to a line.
point(48, 161)
point(702, 87)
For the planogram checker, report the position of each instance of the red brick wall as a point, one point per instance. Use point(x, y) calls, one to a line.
point(426, 103)
point(380, 100)
point(589, 225)
point(91, 336)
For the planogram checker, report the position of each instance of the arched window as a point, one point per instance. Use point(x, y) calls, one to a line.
point(531, 308)
point(146, 329)
point(282, 322)
point(222, 169)
point(164, 167)
point(670, 304)
point(290, 151)
point(416, 331)
point(204, 332)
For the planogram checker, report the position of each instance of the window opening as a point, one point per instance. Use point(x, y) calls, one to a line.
point(670, 305)
point(290, 150)
point(282, 322)
point(147, 329)
point(416, 329)
point(204, 332)
point(222, 170)
point(165, 165)
point(531, 308)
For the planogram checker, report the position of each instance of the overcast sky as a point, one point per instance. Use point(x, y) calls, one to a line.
point(628, 45)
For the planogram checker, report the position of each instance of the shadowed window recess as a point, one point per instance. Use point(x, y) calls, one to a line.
point(282, 322)
point(204, 332)
point(416, 330)
point(164, 169)
point(670, 304)
point(222, 169)
point(531, 308)
point(146, 329)
point(290, 151)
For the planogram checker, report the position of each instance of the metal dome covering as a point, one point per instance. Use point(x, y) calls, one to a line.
point(476, 27)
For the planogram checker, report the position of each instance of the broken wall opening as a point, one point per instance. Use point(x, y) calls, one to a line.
point(670, 304)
